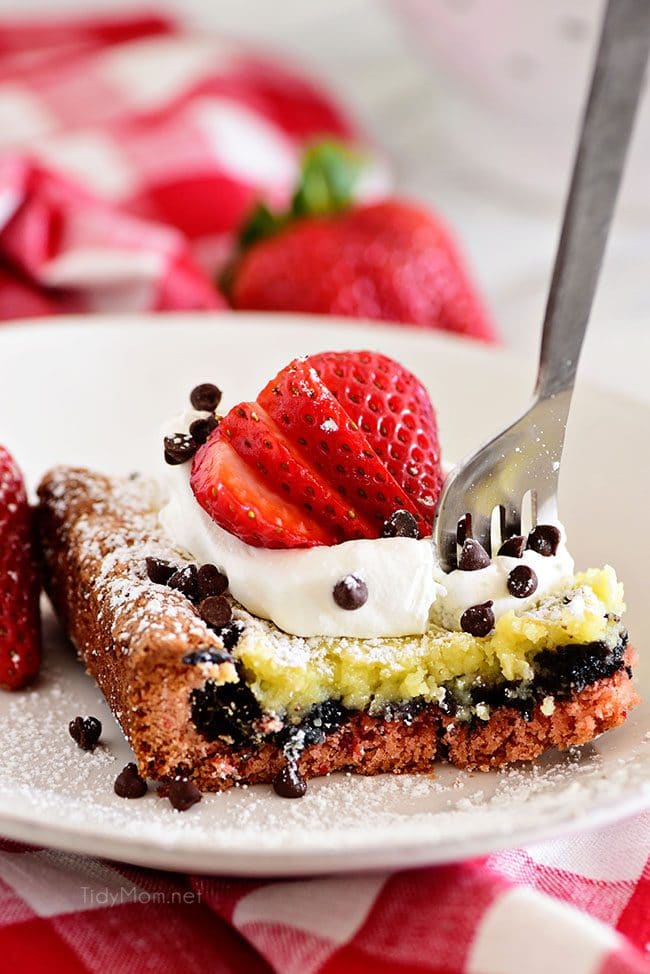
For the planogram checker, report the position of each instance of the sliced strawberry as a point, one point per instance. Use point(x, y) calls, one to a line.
point(393, 409)
point(316, 462)
point(301, 405)
point(258, 441)
point(20, 627)
point(237, 499)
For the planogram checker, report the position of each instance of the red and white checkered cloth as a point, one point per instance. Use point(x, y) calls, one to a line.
point(128, 154)
point(574, 906)
point(130, 151)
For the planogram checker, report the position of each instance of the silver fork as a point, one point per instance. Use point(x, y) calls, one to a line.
point(526, 456)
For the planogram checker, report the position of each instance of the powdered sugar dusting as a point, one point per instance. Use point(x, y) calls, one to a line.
point(115, 531)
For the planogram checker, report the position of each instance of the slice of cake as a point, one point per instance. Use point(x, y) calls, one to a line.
point(273, 609)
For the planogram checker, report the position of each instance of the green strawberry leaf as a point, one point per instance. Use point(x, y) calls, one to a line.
point(329, 173)
point(261, 223)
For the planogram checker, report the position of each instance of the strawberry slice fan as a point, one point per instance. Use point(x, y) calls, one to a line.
point(332, 448)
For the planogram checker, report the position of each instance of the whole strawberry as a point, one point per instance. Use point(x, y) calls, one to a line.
point(338, 446)
point(390, 260)
point(20, 628)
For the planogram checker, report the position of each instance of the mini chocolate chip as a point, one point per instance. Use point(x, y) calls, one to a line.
point(289, 783)
point(351, 592)
point(207, 656)
point(200, 429)
point(86, 731)
point(183, 794)
point(544, 539)
point(522, 582)
point(211, 581)
point(514, 547)
point(478, 620)
point(205, 396)
point(215, 611)
point(464, 529)
point(128, 783)
point(473, 556)
point(184, 580)
point(179, 448)
point(159, 571)
point(401, 524)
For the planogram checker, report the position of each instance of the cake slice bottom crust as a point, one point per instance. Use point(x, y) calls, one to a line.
point(370, 745)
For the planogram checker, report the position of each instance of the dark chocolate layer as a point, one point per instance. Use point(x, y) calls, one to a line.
point(227, 712)
point(558, 673)
point(231, 712)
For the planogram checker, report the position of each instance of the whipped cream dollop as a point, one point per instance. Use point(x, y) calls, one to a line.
point(490, 584)
point(407, 588)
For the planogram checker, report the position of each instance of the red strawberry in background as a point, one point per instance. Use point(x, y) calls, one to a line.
point(20, 629)
point(334, 445)
point(392, 260)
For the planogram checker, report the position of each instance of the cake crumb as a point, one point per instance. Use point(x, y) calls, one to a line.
point(548, 706)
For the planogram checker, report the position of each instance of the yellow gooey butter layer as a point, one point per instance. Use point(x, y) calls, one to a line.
point(289, 674)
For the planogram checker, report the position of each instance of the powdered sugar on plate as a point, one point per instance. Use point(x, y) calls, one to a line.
point(53, 793)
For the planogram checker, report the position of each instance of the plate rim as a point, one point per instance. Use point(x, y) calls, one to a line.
point(285, 862)
point(452, 340)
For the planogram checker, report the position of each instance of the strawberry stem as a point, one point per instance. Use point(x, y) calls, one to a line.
point(328, 176)
point(330, 171)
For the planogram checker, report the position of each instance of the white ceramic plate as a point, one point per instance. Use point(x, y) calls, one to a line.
point(94, 392)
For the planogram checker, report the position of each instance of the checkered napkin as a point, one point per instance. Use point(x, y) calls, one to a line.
point(129, 153)
point(574, 906)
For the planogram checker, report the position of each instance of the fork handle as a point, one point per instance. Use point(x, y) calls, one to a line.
point(606, 129)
